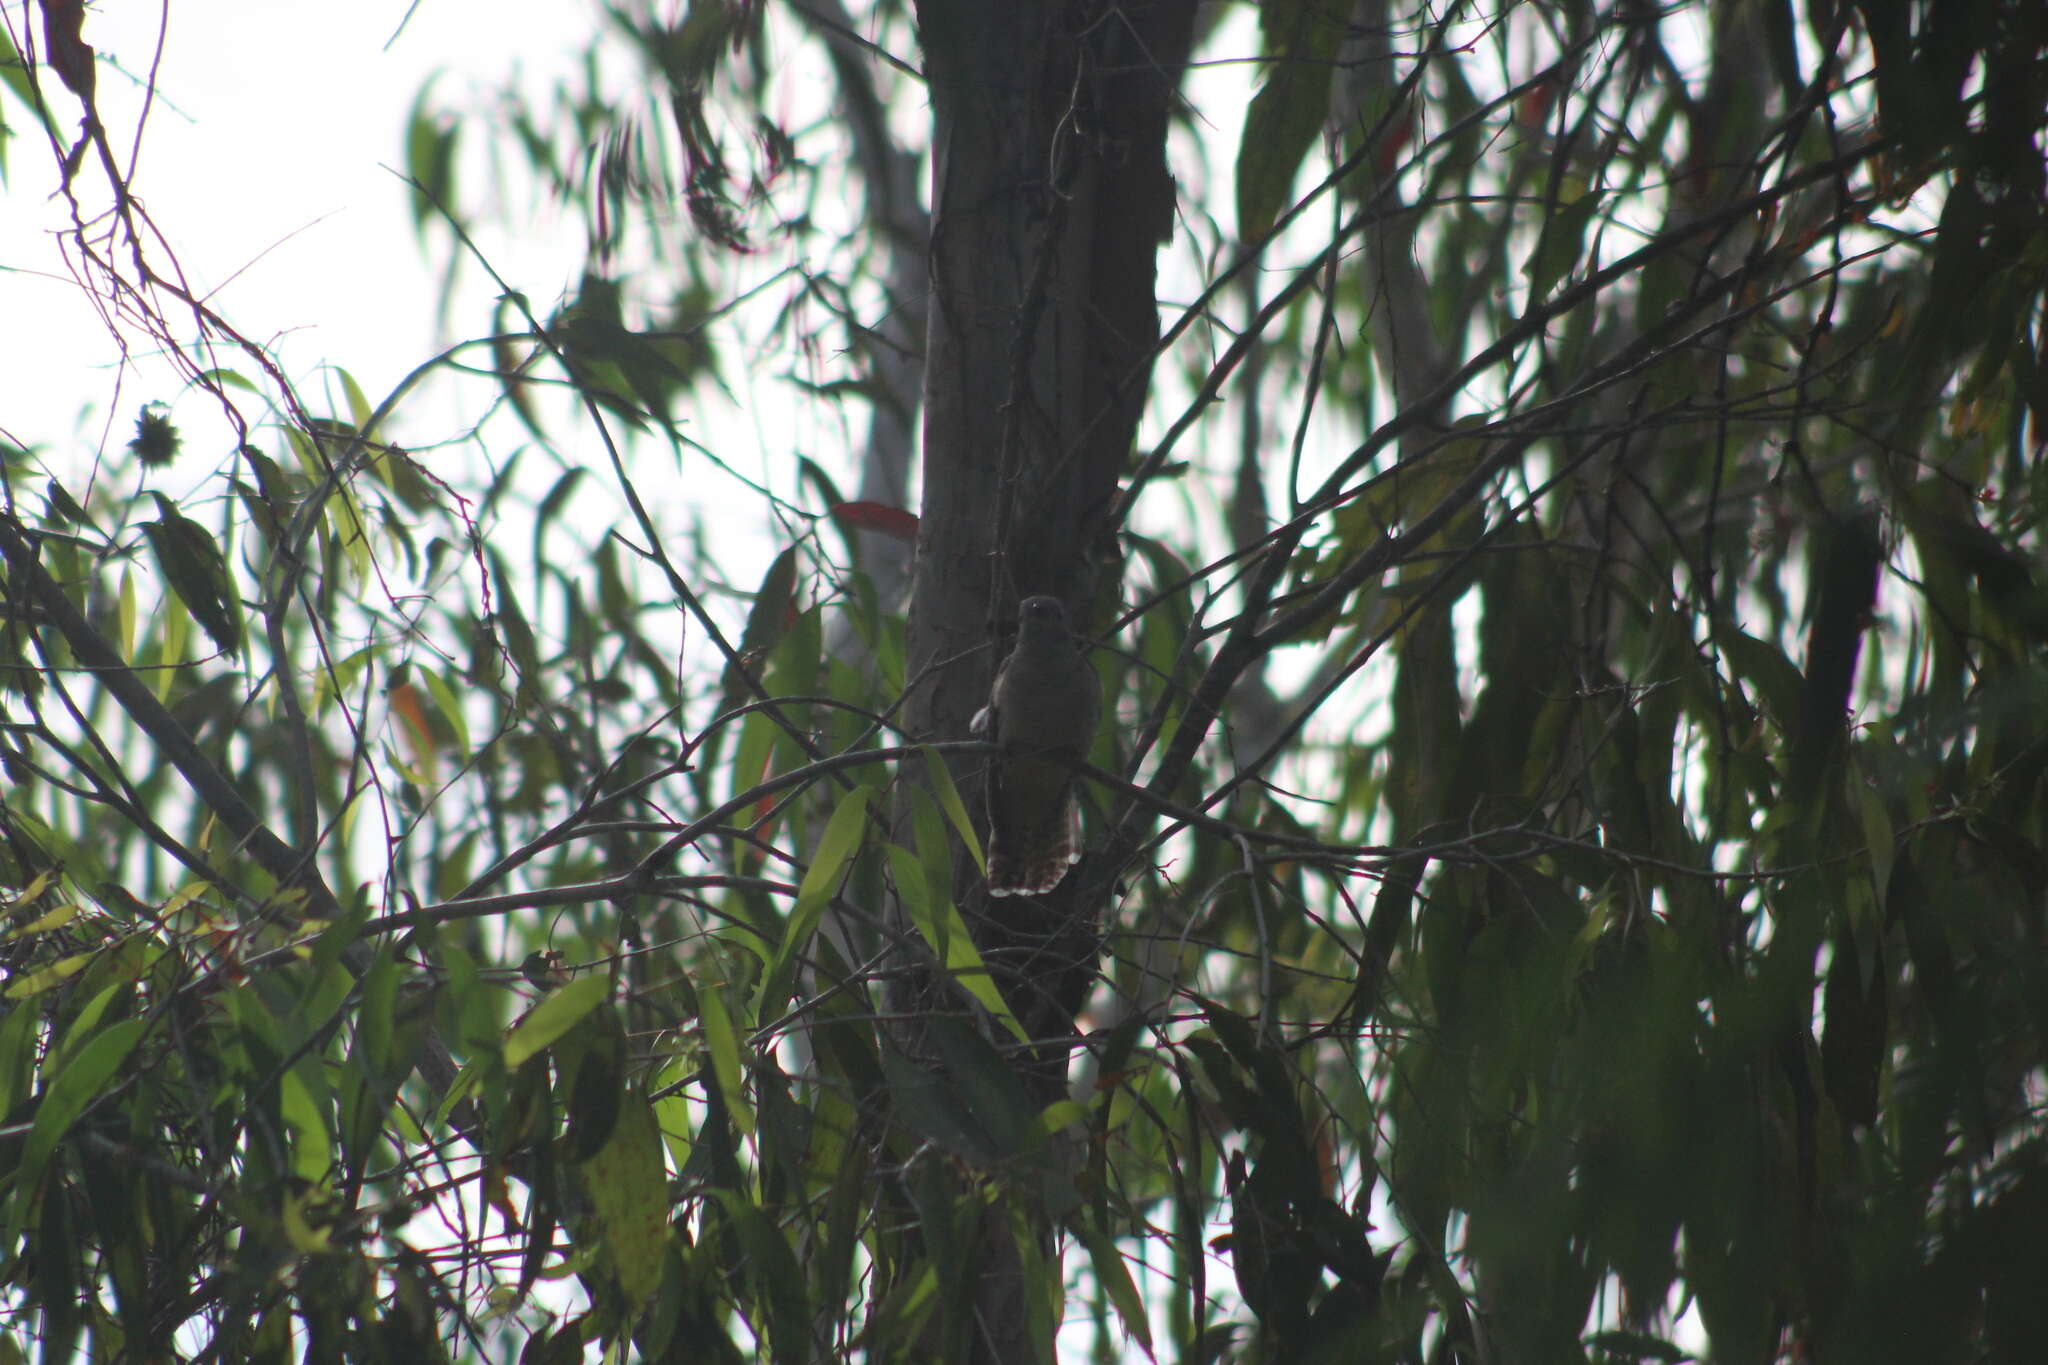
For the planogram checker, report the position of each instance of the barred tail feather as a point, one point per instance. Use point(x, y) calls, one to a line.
point(1037, 861)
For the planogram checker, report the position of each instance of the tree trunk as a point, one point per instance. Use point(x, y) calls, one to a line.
point(1050, 198)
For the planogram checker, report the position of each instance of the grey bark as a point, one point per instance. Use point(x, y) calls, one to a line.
point(1050, 198)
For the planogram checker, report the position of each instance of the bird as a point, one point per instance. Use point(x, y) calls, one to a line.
point(1041, 714)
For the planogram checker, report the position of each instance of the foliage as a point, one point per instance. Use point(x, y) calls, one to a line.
point(1577, 800)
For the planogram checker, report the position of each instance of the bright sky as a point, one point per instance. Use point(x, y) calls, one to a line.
point(263, 164)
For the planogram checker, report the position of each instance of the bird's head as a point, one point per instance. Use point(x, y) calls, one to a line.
point(1038, 617)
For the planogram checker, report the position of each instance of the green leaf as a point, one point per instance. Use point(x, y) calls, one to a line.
point(176, 631)
point(312, 1147)
point(1285, 116)
point(922, 1101)
point(226, 379)
point(64, 510)
point(1877, 834)
point(14, 74)
point(18, 1038)
point(1115, 1278)
point(44, 923)
point(590, 1063)
point(550, 509)
point(1775, 676)
point(359, 409)
point(192, 564)
point(948, 797)
point(934, 849)
point(127, 611)
point(64, 1099)
point(86, 1024)
point(770, 617)
point(430, 145)
point(723, 1044)
point(1564, 238)
point(554, 1016)
point(628, 1183)
point(451, 708)
point(515, 629)
point(43, 978)
point(901, 1317)
point(987, 1085)
point(940, 924)
point(821, 881)
point(777, 1277)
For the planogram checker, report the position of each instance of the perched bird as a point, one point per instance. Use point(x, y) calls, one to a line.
point(1042, 712)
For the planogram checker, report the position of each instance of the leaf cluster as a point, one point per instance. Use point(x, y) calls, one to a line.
point(1572, 839)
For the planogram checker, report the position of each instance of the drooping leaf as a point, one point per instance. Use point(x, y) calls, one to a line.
point(877, 516)
point(64, 1098)
point(728, 1071)
point(767, 621)
point(1562, 242)
point(193, 566)
point(1300, 41)
point(821, 882)
point(628, 1184)
point(554, 1016)
point(1115, 1278)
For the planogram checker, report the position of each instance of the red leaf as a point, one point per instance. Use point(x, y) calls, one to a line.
point(877, 516)
point(1534, 110)
point(1392, 143)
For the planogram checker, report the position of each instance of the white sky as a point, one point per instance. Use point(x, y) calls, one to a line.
point(263, 164)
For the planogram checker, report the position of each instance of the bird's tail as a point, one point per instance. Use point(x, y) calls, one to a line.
point(1037, 860)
